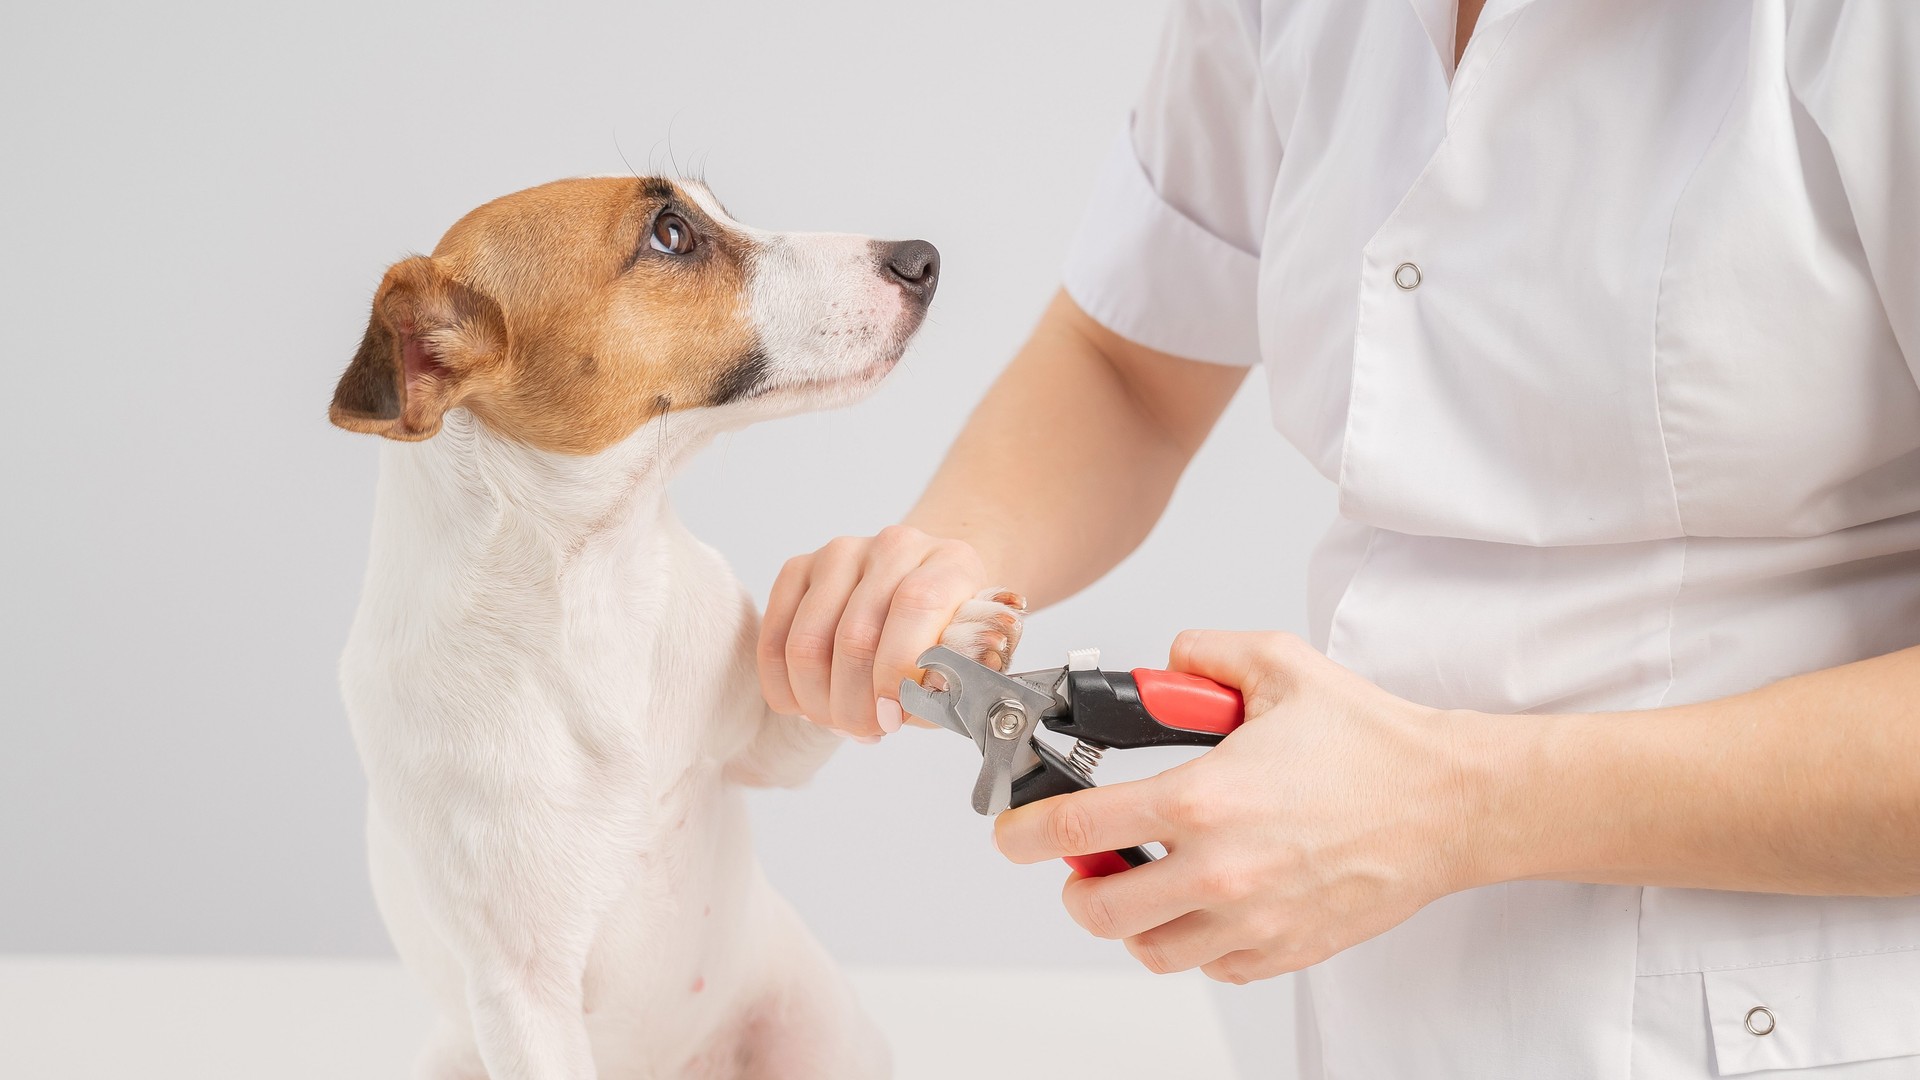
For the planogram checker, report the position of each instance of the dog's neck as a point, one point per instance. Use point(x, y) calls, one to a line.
point(469, 497)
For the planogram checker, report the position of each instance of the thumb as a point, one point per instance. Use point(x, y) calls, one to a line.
point(1254, 663)
point(1225, 656)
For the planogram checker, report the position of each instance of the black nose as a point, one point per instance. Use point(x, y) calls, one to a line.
point(915, 264)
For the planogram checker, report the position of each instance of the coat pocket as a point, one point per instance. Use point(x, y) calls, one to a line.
point(1817, 1012)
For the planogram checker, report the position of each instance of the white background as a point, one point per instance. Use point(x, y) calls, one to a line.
point(198, 202)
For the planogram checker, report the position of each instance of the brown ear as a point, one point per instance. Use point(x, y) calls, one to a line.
point(427, 341)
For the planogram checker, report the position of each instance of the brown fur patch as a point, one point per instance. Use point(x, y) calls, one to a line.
point(429, 341)
point(599, 332)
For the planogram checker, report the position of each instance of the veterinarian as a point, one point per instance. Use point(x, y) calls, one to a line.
point(1604, 758)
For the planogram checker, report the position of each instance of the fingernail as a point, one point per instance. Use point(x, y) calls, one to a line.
point(865, 740)
point(888, 710)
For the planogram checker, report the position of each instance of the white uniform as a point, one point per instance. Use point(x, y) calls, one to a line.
point(1609, 340)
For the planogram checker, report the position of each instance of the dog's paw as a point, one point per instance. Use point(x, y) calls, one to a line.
point(987, 627)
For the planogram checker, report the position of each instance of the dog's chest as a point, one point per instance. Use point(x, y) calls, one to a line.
point(594, 678)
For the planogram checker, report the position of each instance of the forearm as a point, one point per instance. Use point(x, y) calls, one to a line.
point(1810, 785)
point(1057, 475)
point(1065, 466)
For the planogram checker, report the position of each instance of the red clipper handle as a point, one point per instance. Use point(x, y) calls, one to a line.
point(1099, 864)
point(1177, 700)
point(1189, 702)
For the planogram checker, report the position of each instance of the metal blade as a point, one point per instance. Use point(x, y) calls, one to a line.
point(959, 673)
point(993, 788)
point(933, 705)
point(1000, 712)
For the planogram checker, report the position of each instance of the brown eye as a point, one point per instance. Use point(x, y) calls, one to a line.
point(671, 234)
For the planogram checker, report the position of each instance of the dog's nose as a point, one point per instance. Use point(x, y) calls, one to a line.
point(915, 264)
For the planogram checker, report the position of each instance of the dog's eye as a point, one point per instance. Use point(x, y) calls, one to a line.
point(671, 234)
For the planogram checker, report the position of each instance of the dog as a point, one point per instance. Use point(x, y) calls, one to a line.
point(550, 681)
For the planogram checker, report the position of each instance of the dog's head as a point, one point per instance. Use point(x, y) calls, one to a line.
point(569, 315)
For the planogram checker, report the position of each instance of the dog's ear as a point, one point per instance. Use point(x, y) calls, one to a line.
point(429, 341)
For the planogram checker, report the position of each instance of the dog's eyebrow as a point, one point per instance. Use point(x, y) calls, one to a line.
point(653, 189)
point(708, 192)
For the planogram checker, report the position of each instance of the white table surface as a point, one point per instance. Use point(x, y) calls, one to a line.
point(116, 1018)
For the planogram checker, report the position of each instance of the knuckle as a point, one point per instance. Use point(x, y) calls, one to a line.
point(1097, 915)
point(770, 649)
point(1069, 829)
point(1282, 645)
point(809, 648)
point(1187, 805)
point(1152, 954)
point(856, 643)
point(897, 537)
point(921, 591)
point(842, 548)
point(1228, 971)
point(1224, 880)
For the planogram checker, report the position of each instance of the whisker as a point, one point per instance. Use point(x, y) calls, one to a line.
point(670, 158)
point(622, 153)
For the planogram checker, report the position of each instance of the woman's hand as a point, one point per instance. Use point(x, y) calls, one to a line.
point(845, 624)
point(1335, 812)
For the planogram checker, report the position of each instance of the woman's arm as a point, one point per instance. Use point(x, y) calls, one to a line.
point(1071, 457)
point(1059, 473)
point(1810, 785)
point(1338, 810)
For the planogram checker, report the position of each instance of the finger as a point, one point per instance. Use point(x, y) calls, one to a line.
point(862, 626)
point(782, 602)
point(810, 642)
point(1248, 965)
point(1187, 942)
point(1082, 822)
point(922, 604)
point(1130, 903)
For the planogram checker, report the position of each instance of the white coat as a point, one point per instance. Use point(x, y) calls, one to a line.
point(1609, 340)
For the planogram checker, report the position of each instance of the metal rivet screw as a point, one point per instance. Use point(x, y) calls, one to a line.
point(1759, 1020)
point(1006, 719)
point(1407, 276)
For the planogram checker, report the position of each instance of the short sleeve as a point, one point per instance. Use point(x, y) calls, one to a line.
point(1854, 65)
point(1168, 252)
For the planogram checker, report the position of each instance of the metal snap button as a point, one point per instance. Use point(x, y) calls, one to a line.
point(1407, 276)
point(1760, 1020)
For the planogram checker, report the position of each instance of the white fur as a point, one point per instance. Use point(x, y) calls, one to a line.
point(552, 687)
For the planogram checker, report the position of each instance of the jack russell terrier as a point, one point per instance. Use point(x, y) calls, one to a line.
point(550, 681)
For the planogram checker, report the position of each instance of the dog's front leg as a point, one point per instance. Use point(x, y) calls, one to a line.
point(524, 999)
point(518, 898)
point(529, 1024)
point(784, 753)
